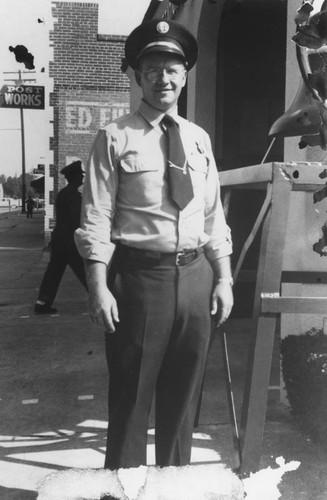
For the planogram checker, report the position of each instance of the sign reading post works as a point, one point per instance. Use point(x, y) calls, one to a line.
point(22, 96)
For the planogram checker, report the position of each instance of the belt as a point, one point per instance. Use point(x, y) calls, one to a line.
point(153, 257)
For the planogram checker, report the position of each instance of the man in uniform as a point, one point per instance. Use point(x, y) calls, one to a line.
point(152, 199)
point(63, 249)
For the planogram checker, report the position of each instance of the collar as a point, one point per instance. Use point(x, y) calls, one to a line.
point(154, 116)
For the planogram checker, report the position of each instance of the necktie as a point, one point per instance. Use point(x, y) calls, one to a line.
point(179, 178)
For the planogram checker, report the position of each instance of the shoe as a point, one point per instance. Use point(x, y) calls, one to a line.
point(44, 309)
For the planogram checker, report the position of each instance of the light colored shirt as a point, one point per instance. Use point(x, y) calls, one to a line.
point(126, 197)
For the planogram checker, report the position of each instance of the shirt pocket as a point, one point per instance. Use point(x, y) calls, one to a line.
point(140, 181)
point(198, 162)
point(135, 164)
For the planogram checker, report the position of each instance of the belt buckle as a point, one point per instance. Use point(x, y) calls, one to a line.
point(179, 255)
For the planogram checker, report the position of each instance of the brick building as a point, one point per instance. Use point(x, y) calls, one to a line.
point(89, 89)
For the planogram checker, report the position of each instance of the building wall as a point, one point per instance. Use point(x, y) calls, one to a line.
point(89, 88)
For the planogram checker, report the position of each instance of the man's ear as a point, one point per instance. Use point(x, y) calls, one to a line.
point(138, 77)
point(185, 79)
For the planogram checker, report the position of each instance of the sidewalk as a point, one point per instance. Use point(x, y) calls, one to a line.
point(53, 385)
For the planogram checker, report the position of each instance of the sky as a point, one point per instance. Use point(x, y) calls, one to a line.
point(19, 26)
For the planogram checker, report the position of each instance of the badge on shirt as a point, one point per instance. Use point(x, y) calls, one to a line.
point(162, 27)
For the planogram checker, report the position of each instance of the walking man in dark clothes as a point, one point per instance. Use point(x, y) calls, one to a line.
point(63, 248)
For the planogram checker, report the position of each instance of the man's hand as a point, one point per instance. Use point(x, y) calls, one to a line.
point(221, 302)
point(102, 304)
point(222, 294)
point(103, 309)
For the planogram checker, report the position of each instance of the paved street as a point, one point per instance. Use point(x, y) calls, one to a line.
point(53, 384)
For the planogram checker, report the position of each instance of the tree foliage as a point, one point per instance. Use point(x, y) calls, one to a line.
point(12, 186)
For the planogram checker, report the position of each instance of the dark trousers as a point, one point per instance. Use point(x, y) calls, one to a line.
point(159, 348)
point(62, 255)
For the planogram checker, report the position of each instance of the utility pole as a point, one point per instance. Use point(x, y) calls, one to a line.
point(21, 81)
point(22, 130)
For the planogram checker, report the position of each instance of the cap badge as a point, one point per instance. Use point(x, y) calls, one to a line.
point(162, 27)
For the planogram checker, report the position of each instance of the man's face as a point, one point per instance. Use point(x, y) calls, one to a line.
point(76, 179)
point(80, 178)
point(161, 77)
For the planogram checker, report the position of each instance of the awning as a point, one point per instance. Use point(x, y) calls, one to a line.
point(38, 184)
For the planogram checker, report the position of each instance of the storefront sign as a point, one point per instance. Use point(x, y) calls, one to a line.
point(22, 96)
point(39, 170)
point(88, 117)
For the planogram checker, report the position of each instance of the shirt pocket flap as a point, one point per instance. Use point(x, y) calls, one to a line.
point(134, 164)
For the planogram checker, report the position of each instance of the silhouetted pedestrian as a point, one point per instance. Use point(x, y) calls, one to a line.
point(63, 248)
point(30, 205)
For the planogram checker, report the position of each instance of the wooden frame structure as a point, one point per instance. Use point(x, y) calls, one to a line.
point(279, 180)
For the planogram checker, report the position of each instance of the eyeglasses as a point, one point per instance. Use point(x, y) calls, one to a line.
point(154, 74)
